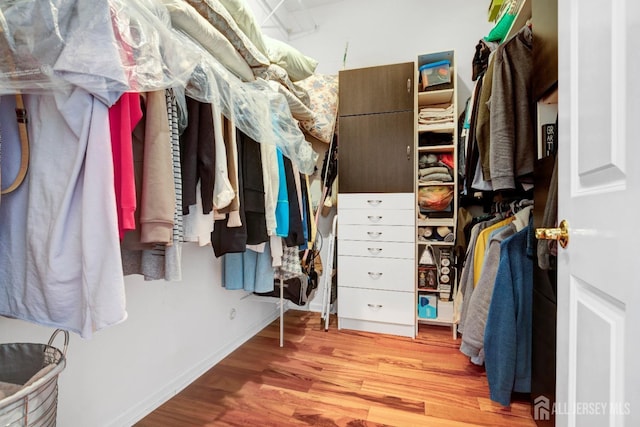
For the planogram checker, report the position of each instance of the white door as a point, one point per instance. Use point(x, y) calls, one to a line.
point(598, 354)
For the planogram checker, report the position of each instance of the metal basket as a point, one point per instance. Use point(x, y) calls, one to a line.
point(35, 404)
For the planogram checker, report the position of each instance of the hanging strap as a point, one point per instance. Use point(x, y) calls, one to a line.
point(21, 117)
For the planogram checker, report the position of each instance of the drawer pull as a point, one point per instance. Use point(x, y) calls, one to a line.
point(375, 251)
point(375, 307)
point(374, 275)
point(374, 218)
point(374, 202)
point(374, 233)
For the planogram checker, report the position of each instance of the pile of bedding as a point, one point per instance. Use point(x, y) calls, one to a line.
point(228, 30)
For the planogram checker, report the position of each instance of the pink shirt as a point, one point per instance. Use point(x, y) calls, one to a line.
point(124, 115)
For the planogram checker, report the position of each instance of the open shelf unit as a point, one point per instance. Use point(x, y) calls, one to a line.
point(436, 147)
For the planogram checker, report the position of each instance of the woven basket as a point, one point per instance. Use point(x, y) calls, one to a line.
point(35, 404)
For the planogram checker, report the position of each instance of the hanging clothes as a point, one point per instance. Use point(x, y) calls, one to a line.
point(250, 271)
point(124, 116)
point(173, 253)
point(282, 205)
point(296, 232)
point(198, 226)
point(72, 203)
point(482, 243)
point(48, 222)
point(197, 154)
point(153, 165)
point(479, 299)
point(270, 177)
point(232, 210)
point(473, 338)
point(483, 131)
point(512, 148)
point(159, 260)
point(253, 187)
point(230, 233)
point(508, 334)
point(472, 155)
point(466, 285)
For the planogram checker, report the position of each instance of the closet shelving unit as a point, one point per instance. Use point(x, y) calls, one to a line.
point(376, 200)
point(442, 295)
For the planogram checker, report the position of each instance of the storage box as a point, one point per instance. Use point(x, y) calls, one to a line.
point(435, 73)
point(445, 310)
point(427, 306)
point(427, 277)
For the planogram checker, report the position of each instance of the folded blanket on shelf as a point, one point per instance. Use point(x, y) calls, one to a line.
point(436, 177)
point(435, 118)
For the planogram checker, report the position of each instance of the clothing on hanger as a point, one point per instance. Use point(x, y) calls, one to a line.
point(508, 332)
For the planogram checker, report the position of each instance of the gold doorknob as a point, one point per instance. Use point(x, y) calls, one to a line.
point(561, 234)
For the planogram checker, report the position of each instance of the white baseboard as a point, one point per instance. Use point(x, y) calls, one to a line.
point(315, 307)
point(143, 408)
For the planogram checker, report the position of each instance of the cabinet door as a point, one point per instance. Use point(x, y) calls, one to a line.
point(382, 89)
point(375, 154)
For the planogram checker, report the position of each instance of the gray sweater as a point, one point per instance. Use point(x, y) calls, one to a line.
point(466, 277)
point(512, 147)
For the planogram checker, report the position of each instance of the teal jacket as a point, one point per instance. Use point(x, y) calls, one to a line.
point(507, 338)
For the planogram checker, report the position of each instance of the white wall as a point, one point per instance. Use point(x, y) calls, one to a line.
point(176, 331)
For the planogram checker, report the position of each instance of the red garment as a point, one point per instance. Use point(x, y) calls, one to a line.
point(124, 115)
point(447, 159)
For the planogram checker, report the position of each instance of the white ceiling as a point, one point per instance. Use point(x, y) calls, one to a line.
point(290, 18)
point(293, 5)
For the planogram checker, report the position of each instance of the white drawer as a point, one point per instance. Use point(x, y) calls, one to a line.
point(377, 249)
point(377, 273)
point(376, 217)
point(379, 233)
point(376, 306)
point(378, 201)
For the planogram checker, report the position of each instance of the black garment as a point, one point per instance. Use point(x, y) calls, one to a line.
point(296, 232)
point(462, 143)
point(480, 59)
point(253, 187)
point(225, 239)
point(305, 205)
point(253, 230)
point(428, 139)
point(473, 155)
point(330, 164)
point(197, 156)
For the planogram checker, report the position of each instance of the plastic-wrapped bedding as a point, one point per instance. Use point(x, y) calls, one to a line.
point(257, 110)
point(100, 45)
point(113, 46)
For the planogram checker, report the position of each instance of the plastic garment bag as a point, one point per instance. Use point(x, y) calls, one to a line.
point(109, 47)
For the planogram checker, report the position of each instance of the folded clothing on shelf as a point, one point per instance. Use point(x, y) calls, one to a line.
point(435, 117)
point(434, 138)
point(435, 167)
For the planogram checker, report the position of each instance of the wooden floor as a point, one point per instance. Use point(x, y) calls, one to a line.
point(340, 378)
